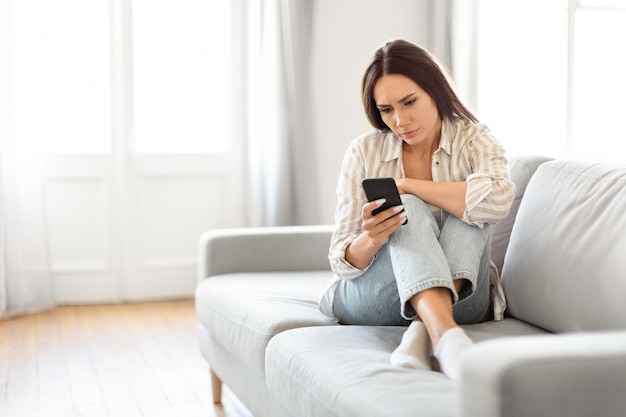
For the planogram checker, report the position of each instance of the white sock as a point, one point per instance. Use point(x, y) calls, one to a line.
point(414, 349)
point(450, 346)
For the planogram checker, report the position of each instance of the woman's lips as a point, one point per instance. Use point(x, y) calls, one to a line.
point(410, 134)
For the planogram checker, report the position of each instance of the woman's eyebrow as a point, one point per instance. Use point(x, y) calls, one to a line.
point(402, 100)
point(407, 97)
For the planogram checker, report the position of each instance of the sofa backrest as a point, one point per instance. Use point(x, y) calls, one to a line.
point(565, 267)
point(522, 169)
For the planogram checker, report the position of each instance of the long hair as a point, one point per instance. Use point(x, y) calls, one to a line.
point(405, 58)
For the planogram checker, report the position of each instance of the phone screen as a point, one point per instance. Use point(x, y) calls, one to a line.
point(376, 188)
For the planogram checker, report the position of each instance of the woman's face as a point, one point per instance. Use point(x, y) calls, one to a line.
point(407, 110)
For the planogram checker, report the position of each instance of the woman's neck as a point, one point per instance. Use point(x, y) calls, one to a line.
point(422, 151)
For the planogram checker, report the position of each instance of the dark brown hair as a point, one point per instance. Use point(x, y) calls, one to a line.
point(405, 58)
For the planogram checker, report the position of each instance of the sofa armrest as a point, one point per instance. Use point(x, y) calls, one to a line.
point(578, 374)
point(264, 249)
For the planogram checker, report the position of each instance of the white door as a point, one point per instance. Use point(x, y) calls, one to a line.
point(121, 112)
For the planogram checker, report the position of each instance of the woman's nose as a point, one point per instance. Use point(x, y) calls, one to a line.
point(402, 118)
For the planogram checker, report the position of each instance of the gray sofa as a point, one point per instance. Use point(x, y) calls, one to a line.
point(561, 350)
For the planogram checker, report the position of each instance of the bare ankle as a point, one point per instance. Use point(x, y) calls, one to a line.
point(434, 307)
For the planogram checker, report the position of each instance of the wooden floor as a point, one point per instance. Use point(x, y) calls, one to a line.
point(123, 360)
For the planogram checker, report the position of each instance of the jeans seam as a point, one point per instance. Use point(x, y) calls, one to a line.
point(470, 276)
point(431, 283)
point(424, 285)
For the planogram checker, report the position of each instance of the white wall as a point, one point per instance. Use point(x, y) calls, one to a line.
point(345, 35)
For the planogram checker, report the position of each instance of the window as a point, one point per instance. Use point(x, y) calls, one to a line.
point(60, 72)
point(599, 87)
point(182, 76)
point(77, 67)
point(550, 76)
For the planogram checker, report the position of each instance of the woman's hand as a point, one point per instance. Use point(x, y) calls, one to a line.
point(379, 227)
point(376, 232)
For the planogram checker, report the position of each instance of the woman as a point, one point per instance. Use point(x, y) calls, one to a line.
point(431, 273)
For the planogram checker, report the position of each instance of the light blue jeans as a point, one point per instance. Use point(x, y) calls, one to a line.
point(419, 256)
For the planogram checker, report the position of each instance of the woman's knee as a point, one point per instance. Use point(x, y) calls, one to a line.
point(413, 203)
point(416, 208)
point(420, 219)
point(456, 227)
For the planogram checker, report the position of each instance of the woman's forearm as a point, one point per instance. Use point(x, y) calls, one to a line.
point(449, 196)
point(361, 251)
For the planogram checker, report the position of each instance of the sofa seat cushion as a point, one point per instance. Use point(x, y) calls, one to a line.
point(244, 311)
point(344, 371)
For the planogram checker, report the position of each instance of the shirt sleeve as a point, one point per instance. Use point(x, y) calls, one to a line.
point(350, 196)
point(490, 191)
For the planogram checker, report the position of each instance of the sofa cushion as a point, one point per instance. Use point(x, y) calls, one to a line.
point(564, 268)
point(522, 169)
point(244, 311)
point(344, 371)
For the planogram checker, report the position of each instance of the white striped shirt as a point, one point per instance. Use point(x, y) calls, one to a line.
point(467, 152)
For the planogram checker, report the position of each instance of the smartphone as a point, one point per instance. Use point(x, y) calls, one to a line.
point(376, 188)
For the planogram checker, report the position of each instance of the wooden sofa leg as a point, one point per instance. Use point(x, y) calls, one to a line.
point(216, 386)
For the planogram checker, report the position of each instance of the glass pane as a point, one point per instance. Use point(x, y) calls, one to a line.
point(600, 85)
point(522, 67)
point(618, 4)
point(182, 81)
point(60, 76)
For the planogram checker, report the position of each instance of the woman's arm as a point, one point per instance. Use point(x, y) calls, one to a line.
point(449, 196)
point(359, 235)
point(472, 180)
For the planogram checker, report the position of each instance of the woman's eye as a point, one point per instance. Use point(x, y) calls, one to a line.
point(408, 103)
point(385, 110)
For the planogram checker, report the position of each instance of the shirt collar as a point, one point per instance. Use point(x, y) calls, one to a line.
point(447, 135)
point(392, 147)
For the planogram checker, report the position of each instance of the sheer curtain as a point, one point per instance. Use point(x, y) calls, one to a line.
point(276, 128)
point(25, 281)
point(464, 49)
point(451, 39)
point(440, 30)
point(3, 272)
